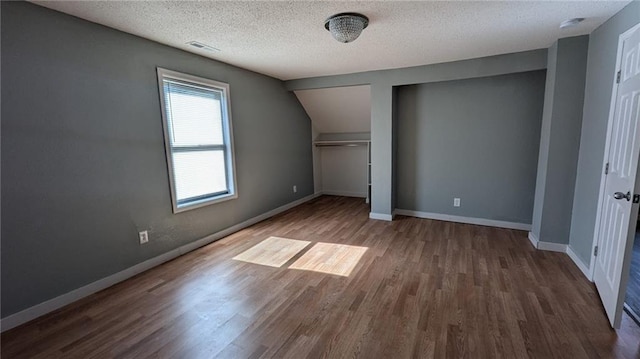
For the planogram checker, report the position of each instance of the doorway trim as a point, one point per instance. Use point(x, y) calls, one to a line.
point(607, 147)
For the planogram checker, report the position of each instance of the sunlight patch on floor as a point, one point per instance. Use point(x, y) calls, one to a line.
point(331, 258)
point(272, 252)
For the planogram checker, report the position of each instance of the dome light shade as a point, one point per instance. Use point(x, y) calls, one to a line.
point(347, 26)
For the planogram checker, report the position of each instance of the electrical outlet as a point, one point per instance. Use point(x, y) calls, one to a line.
point(295, 188)
point(456, 202)
point(144, 237)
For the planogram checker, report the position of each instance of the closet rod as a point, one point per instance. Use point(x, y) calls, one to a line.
point(346, 143)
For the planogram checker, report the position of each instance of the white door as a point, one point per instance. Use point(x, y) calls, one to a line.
point(616, 229)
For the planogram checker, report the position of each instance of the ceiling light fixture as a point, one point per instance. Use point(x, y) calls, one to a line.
point(347, 26)
point(571, 22)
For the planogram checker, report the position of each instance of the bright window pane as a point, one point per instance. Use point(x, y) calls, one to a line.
point(199, 173)
point(198, 139)
point(195, 115)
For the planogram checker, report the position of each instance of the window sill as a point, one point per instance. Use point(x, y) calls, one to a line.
point(204, 202)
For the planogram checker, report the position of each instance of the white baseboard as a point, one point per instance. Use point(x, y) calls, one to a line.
point(43, 308)
point(534, 240)
point(461, 219)
point(344, 194)
point(552, 247)
point(564, 248)
point(381, 216)
point(546, 246)
point(579, 263)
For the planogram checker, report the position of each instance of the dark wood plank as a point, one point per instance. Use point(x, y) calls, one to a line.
point(632, 299)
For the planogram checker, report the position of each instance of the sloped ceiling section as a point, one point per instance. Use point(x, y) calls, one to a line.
point(338, 109)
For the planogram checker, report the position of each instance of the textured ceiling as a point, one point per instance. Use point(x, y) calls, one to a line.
point(287, 40)
point(338, 109)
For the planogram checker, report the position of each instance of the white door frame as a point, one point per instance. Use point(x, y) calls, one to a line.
point(601, 194)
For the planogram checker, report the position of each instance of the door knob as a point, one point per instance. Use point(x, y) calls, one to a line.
point(620, 195)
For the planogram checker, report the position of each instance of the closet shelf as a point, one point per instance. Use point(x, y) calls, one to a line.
point(348, 143)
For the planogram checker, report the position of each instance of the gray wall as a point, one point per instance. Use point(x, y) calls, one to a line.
point(603, 44)
point(545, 135)
point(560, 139)
point(382, 160)
point(394, 146)
point(446, 71)
point(383, 84)
point(83, 163)
point(475, 139)
point(344, 170)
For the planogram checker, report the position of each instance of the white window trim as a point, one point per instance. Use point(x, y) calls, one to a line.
point(231, 173)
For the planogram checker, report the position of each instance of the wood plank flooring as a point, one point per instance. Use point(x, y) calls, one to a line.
point(632, 298)
point(332, 258)
point(422, 289)
point(273, 251)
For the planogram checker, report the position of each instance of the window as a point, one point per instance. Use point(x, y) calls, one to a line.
point(198, 139)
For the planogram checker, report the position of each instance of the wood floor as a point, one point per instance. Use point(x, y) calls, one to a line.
point(633, 288)
point(422, 289)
